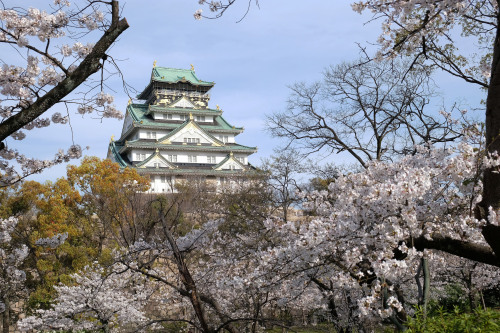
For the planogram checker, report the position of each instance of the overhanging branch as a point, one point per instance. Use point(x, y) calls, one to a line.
point(475, 252)
point(90, 65)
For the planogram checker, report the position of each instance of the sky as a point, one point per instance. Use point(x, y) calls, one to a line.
point(252, 63)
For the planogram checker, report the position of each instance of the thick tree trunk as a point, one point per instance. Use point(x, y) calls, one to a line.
point(427, 284)
point(187, 279)
point(491, 180)
point(6, 316)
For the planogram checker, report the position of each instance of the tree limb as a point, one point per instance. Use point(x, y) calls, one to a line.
point(476, 252)
point(90, 65)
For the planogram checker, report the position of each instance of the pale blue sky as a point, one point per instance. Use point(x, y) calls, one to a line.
point(251, 62)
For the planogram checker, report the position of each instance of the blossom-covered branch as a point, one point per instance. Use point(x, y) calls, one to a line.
point(54, 67)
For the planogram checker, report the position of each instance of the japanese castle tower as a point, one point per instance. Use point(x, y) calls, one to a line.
point(174, 135)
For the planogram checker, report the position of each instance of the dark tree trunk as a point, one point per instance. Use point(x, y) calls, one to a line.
point(6, 316)
point(457, 247)
point(187, 279)
point(491, 180)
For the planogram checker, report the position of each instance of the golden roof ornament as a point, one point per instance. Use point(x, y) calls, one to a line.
point(231, 153)
point(129, 101)
point(218, 107)
point(154, 64)
point(112, 138)
point(192, 67)
point(190, 116)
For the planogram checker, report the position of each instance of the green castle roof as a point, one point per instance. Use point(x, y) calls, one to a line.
point(115, 147)
point(115, 151)
point(139, 114)
point(228, 147)
point(175, 75)
point(196, 112)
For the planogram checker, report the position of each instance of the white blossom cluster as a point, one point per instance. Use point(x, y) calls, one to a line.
point(365, 216)
point(34, 22)
point(30, 166)
point(409, 24)
point(214, 6)
point(6, 228)
point(11, 257)
point(52, 242)
point(59, 119)
point(102, 103)
point(99, 300)
point(410, 15)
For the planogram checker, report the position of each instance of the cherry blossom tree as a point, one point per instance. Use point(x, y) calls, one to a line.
point(177, 277)
point(428, 31)
point(373, 228)
point(99, 300)
point(50, 67)
point(12, 276)
point(13, 254)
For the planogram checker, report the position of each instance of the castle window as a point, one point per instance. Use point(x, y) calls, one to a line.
point(192, 140)
point(172, 158)
point(192, 158)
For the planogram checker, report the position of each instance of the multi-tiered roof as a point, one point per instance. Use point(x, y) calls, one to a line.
point(174, 134)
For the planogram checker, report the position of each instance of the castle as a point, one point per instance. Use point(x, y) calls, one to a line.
point(174, 135)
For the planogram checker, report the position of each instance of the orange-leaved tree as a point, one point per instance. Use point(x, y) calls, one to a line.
point(113, 201)
point(96, 205)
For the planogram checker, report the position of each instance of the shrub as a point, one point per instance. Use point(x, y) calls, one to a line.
point(479, 320)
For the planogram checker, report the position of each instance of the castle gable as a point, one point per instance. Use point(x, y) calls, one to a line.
point(183, 102)
point(229, 163)
point(156, 161)
point(190, 133)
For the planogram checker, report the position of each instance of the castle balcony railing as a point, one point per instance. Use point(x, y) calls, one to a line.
point(179, 93)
